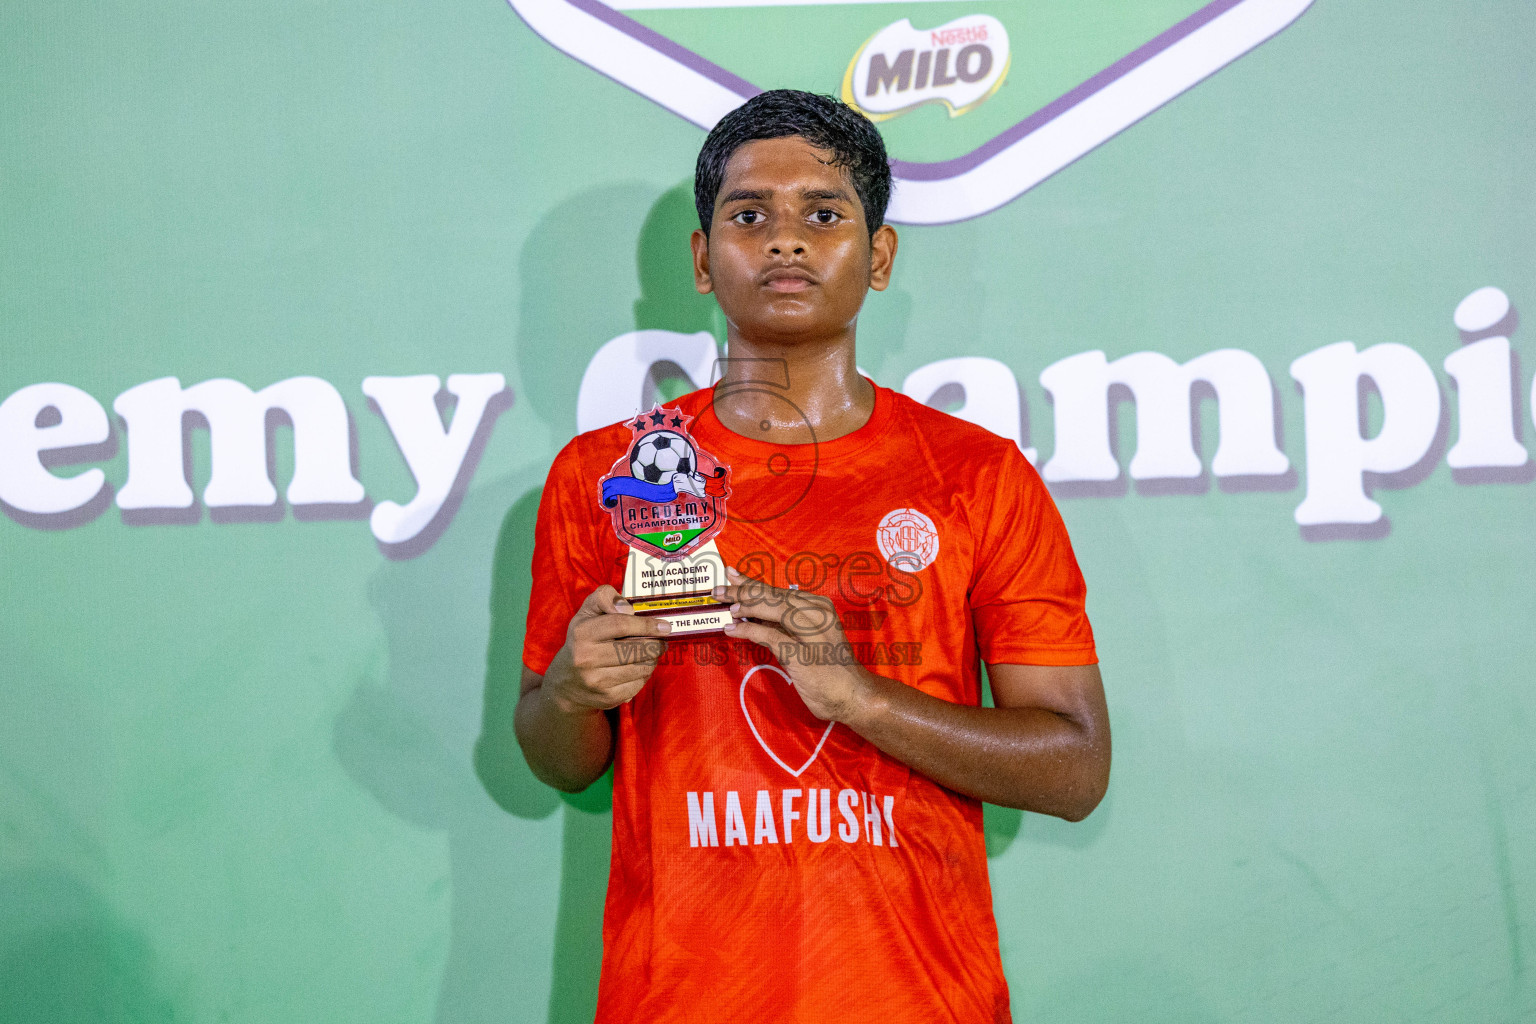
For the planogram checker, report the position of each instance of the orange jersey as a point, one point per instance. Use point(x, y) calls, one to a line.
point(768, 866)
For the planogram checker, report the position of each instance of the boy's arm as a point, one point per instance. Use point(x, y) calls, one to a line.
point(1045, 747)
point(561, 719)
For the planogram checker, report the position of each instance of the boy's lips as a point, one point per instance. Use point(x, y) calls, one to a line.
point(788, 279)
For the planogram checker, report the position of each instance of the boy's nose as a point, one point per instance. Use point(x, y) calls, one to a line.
point(786, 235)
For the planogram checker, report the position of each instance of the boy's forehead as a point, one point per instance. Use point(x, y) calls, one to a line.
point(787, 162)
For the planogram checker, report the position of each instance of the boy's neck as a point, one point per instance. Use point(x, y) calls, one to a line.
point(805, 391)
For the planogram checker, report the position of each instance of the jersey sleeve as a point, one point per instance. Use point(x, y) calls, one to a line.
point(567, 559)
point(1028, 596)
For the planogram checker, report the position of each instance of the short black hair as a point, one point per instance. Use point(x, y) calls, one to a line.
point(823, 121)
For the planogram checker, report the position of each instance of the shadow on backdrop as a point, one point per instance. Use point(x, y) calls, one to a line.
point(65, 956)
point(433, 738)
point(668, 300)
point(573, 273)
point(417, 742)
point(558, 251)
point(586, 831)
point(408, 739)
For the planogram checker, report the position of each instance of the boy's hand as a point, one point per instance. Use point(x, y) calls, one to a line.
point(609, 654)
point(803, 632)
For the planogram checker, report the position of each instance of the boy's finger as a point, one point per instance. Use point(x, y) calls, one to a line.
point(737, 585)
point(605, 600)
point(801, 615)
point(600, 660)
point(761, 633)
point(615, 685)
point(756, 600)
point(614, 627)
point(639, 668)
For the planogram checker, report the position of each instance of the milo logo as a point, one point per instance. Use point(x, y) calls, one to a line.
point(959, 64)
point(1095, 67)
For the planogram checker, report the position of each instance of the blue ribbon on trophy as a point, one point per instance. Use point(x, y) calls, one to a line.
point(690, 483)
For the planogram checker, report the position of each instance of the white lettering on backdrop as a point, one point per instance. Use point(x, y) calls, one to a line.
point(1338, 455)
point(77, 420)
point(47, 427)
point(236, 417)
point(1079, 387)
point(439, 459)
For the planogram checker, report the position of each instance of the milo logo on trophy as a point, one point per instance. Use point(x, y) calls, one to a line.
point(666, 498)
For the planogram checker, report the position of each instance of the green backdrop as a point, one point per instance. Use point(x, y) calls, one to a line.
point(238, 778)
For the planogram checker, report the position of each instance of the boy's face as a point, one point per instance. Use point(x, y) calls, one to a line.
point(788, 255)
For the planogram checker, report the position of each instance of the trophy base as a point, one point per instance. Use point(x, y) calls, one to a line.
point(689, 614)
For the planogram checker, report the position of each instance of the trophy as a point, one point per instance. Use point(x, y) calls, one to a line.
point(666, 499)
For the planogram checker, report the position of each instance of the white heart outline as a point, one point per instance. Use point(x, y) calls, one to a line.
point(742, 697)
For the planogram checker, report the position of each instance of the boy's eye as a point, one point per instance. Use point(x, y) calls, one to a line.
point(747, 217)
point(825, 216)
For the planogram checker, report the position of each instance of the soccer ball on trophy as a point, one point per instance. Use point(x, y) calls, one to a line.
point(660, 455)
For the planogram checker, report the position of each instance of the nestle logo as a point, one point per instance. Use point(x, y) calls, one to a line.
point(957, 36)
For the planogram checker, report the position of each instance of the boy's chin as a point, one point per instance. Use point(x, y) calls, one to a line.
point(788, 328)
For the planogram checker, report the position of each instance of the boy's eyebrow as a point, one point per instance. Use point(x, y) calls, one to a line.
point(826, 193)
point(762, 195)
point(736, 195)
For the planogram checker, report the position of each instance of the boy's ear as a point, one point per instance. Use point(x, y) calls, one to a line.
point(701, 281)
point(882, 257)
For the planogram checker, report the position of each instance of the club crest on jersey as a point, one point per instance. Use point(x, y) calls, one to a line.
point(907, 539)
point(665, 495)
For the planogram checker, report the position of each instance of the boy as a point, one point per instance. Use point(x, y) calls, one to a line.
point(797, 803)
